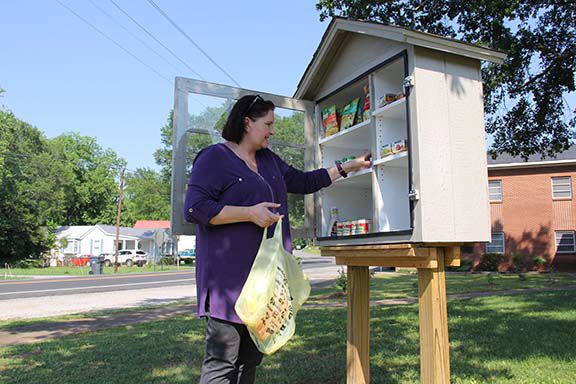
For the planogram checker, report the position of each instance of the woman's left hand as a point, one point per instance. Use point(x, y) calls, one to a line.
point(364, 161)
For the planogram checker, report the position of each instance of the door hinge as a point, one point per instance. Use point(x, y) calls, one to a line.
point(414, 195)
point(408, 82)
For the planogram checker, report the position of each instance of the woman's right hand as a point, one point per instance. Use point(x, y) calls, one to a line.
point(260, 214)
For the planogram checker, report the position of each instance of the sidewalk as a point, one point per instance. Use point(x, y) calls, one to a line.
point(41, 332)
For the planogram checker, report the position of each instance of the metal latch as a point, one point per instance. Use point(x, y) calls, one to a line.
point(408, 81)
point(413, 195)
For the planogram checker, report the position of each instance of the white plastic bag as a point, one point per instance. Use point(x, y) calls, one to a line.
point(275, 290)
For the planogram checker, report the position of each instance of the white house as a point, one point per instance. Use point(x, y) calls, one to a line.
point(166, 244)
point(87, 240)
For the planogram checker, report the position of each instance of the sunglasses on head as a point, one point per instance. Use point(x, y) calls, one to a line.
point(256, 98)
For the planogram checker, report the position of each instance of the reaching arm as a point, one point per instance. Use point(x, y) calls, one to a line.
point(357, 164)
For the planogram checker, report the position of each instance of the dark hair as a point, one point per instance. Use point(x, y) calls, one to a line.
point(246, 106)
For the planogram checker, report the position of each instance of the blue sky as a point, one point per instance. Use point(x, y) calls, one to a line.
point(60, 75)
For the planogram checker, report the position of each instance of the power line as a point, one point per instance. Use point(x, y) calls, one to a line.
point(133, 35)
point(155, 39)
point(112, 40)
point(190, 40)
point(121, 47)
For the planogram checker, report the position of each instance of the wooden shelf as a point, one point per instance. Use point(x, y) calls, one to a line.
point(395, 160)
point(395, 110)
point(357, 136)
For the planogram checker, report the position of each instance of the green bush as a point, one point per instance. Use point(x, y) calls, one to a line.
point(517, 263)
point(29, 263)
point(342, 279)
point(522, 276)
point(490, 262)
point(490, 279)
point(167, 261)
point(539, 261)
point(188, 261)
point(299, 243)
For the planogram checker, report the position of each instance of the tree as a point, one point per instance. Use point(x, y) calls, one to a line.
point(23, 220)
point(163, 155)
point(68, 180)
point(526, 111)
point(87, 180)
point(147, 197)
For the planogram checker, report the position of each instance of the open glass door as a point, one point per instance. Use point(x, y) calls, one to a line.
point(200, 111)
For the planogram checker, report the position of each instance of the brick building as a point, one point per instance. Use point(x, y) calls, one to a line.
point(532, 209)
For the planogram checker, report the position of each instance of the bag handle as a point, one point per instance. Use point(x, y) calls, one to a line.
point(277, 233)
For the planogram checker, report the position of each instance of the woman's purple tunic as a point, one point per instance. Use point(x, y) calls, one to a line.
point(225, 253)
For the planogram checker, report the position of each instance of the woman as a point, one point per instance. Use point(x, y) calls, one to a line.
point(236, 189)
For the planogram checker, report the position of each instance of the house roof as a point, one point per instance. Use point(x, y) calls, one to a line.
point(340, 27)
point(152, 224)
point(567, 157)
point(73, 231)
point(126, 231)
point(79, 231)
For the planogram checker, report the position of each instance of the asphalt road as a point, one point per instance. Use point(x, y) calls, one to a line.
point(92, 284)
point(319, 268)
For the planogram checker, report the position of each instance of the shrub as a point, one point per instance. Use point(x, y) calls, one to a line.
point(167, 260)
point(342, 280)
point(188, 261)
point(490, 262)
point(299, 243)
point(539, 261)
point(522, 276)
point(490, 279)
point(29, 263)
point(517, 263)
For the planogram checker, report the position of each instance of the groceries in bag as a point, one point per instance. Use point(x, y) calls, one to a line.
point(275, 290)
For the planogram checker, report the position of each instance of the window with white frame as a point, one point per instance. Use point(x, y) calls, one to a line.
point(561, 187)
point(129, 244)
point(497, 243)
point(565, 242)
point(495, 190)
point(72, 246)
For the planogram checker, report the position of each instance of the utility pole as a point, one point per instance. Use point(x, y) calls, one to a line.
point(118, 218)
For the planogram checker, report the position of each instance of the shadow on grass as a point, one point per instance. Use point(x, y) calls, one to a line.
point(527, 339)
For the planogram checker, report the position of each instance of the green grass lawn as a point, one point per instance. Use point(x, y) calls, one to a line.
point(401, 285)
point(524, 339)
point(79, 271)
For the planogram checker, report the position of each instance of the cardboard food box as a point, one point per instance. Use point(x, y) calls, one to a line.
point(330, 121)
point(399, 146)
point(386, 150)
point(349, 113)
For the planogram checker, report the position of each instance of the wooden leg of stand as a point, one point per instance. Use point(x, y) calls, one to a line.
point(434, 346)
point(358, 346)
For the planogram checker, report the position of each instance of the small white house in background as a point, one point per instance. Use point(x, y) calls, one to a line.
point(92, 240)
point(164, 240)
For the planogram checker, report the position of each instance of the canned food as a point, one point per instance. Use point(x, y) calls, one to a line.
point(364, 226)
point(355, 227)
point(348, 230)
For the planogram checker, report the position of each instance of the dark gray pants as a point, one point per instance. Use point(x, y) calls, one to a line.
point(231, 356)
